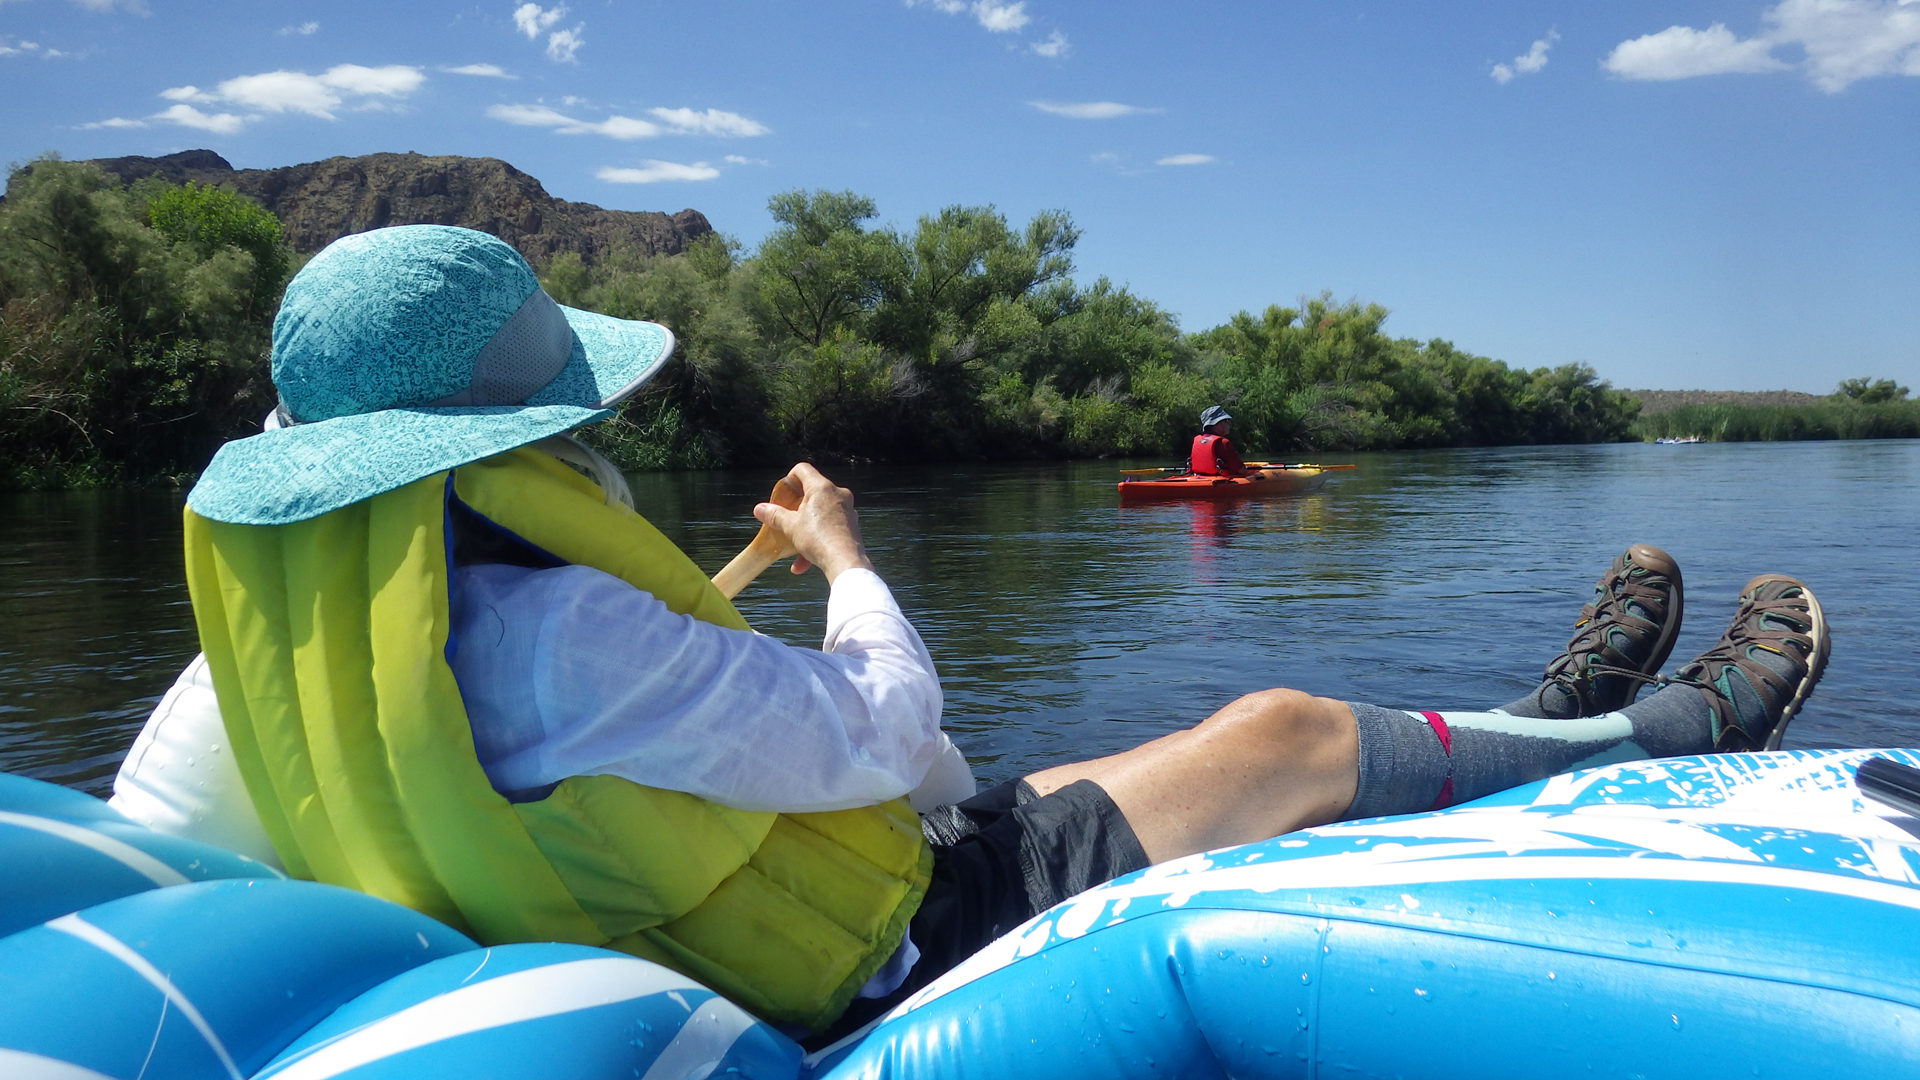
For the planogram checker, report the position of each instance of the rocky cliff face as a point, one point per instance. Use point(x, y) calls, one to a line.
point(319, 202)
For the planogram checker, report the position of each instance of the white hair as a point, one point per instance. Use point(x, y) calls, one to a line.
point(593, 463)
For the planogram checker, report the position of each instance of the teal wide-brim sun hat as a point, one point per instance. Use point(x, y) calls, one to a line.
point(405, 351)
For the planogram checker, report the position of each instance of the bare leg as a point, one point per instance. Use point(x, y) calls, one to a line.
point(1267, 764)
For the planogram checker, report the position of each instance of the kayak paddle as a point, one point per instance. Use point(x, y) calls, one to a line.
point(768, 546)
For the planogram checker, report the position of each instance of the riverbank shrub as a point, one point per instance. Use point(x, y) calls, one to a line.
point(134, 325)
point(967, 338)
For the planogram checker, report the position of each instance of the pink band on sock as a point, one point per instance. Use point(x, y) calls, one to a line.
point(1439, 725)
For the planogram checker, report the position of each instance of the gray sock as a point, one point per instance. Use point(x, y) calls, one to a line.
point(1413, 762)
point(1545, 702)
point(1683, 708)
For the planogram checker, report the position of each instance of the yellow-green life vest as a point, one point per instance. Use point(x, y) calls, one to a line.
point(327, 640)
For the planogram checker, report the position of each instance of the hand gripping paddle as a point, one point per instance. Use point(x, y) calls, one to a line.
point(768, 546)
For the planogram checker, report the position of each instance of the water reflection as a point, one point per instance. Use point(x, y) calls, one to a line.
point(1066, 625)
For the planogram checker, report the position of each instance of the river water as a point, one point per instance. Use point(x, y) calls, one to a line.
point(1066, 625)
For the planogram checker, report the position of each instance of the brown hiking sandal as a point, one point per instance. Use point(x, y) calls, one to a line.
point(1756, 677)
point(1624, 634)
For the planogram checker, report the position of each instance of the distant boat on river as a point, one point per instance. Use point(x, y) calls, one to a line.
point(1281, 480)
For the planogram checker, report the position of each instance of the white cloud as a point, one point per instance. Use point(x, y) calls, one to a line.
point(29, 48)
point(619, 127)
point(1849, 40)
point(1842, 42)
point(534, 116)
point(613, 127)
point(736, 159)
point(1090, 110)
point(1535, 58)
point(1001, 18)
point(711, 122)
point(1187, 159)
point(562, 44)
point(1681, 52)
point(274, 91)
point(16, 50)
point(1055, 45)
point(305, 29)
point(673, 122)
point(653, 172)
point(135, 7)
point(115, 122)
point(1527, 62)
point(295, 91)
point(490, 71)
point(188, 116)
point(395, 80)
point(571, 101)
point(997, 16)
point(532, 19)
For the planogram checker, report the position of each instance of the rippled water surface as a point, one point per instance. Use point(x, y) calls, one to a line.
point(1067, 626)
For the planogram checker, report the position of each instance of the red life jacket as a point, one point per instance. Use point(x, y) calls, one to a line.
point(1214, 455)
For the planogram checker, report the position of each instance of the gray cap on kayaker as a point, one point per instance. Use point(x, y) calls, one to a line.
point(1212, 416)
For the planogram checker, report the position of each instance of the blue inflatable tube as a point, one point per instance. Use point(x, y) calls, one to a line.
point(62, 851)
point(209, 979)
point(533, 1010)
point(1725, 916)
point(1738, 915)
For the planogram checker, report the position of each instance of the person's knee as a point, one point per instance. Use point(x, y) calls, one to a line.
point(1295, 719)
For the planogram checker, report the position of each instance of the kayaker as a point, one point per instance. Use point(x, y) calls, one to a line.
point(1213, 452)
point(453, 672)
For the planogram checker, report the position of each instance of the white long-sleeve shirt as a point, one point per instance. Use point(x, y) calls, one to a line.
point(571, 672)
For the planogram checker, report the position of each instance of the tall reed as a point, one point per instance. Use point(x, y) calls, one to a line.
point(1785, 423)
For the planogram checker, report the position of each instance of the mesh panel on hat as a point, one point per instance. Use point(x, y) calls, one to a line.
point(524, 355)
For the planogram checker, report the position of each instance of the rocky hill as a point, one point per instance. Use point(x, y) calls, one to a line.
point(1654, 402)
point(321, 201)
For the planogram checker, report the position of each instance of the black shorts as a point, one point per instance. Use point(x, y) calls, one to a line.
point(999, 859)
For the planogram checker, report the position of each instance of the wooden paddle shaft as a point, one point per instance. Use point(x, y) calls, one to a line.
point(768, 546)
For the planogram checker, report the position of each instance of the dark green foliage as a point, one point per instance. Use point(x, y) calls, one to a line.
point(133, 324)
point(1844, 419)
point(1870, 391)
point(1325, 376)
point(967, 338)
point(204, 219)
point(136, 329)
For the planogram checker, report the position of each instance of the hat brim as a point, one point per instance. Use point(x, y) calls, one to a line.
point(291, 474)
point(294, 473)
point(611, 359)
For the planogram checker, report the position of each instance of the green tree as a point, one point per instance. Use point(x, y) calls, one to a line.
point(126, 350)
point(708, 405)
point(1870, 391)
point(205, 219)
point(821, 270)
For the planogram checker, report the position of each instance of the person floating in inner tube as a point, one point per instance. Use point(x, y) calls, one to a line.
point(1213, 452)
point(444, 667)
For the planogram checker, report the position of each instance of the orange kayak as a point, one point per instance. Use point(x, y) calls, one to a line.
point(1263, 482)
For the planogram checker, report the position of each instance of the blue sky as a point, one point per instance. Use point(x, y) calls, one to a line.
point(1721, 194)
